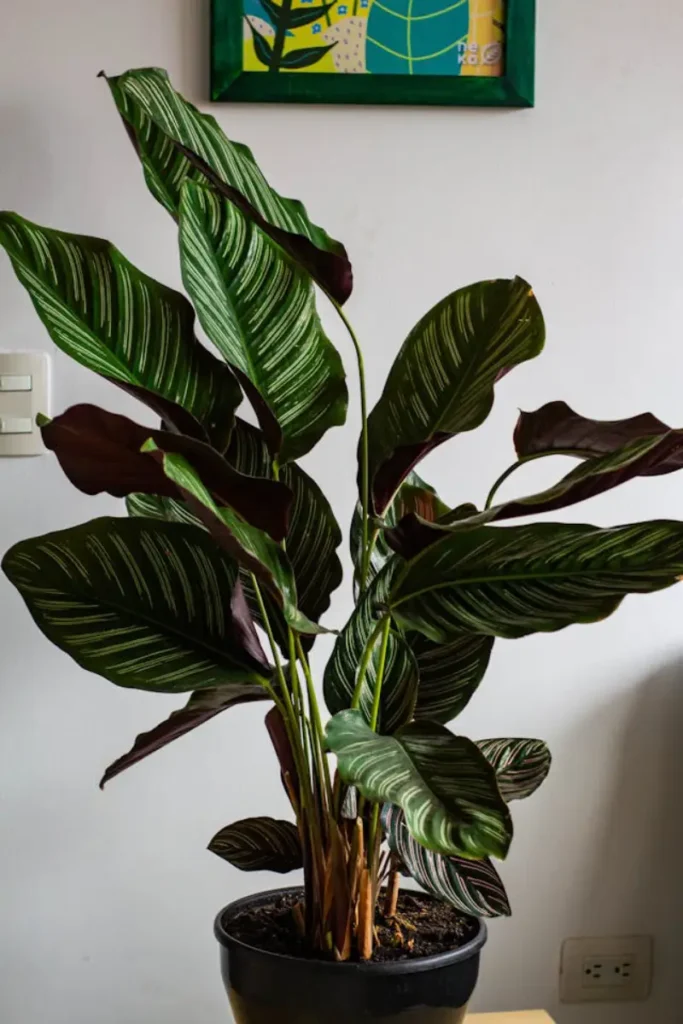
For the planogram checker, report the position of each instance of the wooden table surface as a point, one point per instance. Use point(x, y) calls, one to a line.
point(533, 1017)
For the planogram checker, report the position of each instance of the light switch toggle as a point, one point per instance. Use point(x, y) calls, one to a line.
point(16, 382)
point(16, 425)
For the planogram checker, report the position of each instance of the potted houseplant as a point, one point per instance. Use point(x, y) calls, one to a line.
point(216, 583)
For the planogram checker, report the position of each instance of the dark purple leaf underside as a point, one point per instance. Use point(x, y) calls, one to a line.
point(100, 451)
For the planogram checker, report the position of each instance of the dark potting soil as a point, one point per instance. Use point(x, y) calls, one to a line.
point(422, 927)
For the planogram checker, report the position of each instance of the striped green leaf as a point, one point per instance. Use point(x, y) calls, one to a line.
point(109, 316)
point(472, 886)
point(259, 310)
point(449, 673)
point(513, 581)
point(201, 707)
point(413, 496)
point(260, 844)
point(252, 548)
point(400, 680)
point(443, 783)
point(176, 143)
point(442, 380)
point(312, 538)
point(521, 766)
point(148, 605)
point(153, 506)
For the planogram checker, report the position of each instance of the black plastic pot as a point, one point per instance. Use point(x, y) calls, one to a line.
point(268, 988)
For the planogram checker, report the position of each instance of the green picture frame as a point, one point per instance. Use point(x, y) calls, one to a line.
point(231, 83)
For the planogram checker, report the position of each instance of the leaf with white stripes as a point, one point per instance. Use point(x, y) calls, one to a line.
point(521, 766)
point(106, 314)
point(177, 143)
point(259, 310)
point(312, 538)
point(252, 548)
point(414, 496)
point(442, 380)
point(449, 673)
point(153, 506)
point(153, 606)
point(443, 783)
point(400, 680)
point(513, 581)
point(260, 844)
point(201, 707)
point(472, 886)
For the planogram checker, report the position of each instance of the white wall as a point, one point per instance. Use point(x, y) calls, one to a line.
point(107, 899)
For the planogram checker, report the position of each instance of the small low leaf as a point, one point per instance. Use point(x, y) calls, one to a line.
point(472, 886)
point(251, 547)
point(304, 57)
point(263, 48)
point(149, 605)
point(177, 143)
point(443, 783)
point(259, 844)
point(400, 680)
point(201, 707)
point(449, 674)
point(521, 766)
point(557, 429)
point(442, 380)
point(110, 317)
point(101, 451)
point(513, 581)
point(289, 368)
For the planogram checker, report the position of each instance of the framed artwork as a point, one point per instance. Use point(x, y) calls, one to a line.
point(453, 52)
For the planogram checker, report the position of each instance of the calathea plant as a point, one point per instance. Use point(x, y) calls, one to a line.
point(216, 583)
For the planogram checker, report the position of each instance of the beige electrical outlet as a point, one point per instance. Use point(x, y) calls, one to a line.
point(608, 970)
point(24, 392)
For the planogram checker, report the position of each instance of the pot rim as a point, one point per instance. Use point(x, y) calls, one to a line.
point(426, 963)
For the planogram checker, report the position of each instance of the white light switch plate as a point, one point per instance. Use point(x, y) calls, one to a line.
point(617, 969)
point(24, 392)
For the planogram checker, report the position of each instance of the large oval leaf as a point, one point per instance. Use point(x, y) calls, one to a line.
point(201, 707)
point(521, 766)
point(255, 550)
point(449, 674)
point(176, 143)
point(442, 380)
point(153, 606)
point(472, 886)
point(101, 451)
point(260, 844)
point(513, 581)
point(112, 318)
point(258, 308)
point(418, 38)
point(443, 783)
point(400, 680)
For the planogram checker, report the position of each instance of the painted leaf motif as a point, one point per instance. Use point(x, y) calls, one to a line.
point(472, 886)
point(110, 317)
point(513, 581)
point(400, 682)
point(444, 784)
point(417, 37)
point(101, 451)
point(289, 368)
point(521, 766)
point(304, 57)
point(297, 17)
point(449, 674)
point(263, 48)
point(259, 844)
point(556, 428)
point(201, 707)
point(149, 606)
point(442, 380)
point(176, 143)
point(252, 548)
